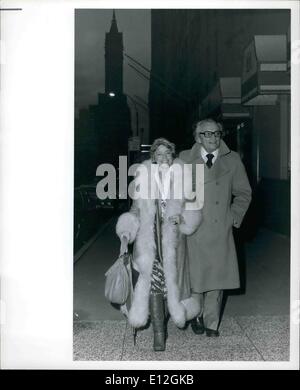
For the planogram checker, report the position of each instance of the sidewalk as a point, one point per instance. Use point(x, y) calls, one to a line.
point(252, 338)
point(255, 325)
point(89, 301)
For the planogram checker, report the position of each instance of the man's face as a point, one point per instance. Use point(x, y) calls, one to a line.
point(209, 141)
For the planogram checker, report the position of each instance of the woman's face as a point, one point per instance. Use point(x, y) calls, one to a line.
point(163, 155)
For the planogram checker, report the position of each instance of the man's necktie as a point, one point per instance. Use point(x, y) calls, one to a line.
point(209, 160)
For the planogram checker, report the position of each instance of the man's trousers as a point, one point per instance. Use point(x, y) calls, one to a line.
point(210, 304)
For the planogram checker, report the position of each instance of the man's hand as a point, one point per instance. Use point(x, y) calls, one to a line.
point(176, 219)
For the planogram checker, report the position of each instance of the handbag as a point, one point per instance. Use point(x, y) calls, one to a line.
point(118, 282)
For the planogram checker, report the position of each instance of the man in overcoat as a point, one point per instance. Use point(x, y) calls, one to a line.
point(211, 250)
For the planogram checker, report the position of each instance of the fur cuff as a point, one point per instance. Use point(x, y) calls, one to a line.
point(139, 311)
point(127, 223)
point(177, 313)
point(192, 220)
point(192, 308)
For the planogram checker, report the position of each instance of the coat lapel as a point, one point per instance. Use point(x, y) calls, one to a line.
point(218, 169)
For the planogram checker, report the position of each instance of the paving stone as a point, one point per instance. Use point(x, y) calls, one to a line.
point(254, 338)
point(269, 334)
point(101, 340)
point(184, 345)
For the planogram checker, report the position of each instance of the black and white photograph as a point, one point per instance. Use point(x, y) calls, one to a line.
point(206, 87)
point(150, 176)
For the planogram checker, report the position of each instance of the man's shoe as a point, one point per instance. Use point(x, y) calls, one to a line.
point(212, 333)
point(197, 325)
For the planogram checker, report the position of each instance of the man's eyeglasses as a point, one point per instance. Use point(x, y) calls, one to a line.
point(209, 134)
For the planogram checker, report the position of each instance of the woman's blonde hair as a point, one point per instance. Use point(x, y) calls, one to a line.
point(162, 141)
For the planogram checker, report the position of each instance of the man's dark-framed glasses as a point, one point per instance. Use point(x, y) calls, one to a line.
point(209, 134)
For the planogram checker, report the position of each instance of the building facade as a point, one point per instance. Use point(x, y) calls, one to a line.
point(198, 71)
point(102, 131)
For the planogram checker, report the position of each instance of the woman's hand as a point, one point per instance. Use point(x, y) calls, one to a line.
point(124, 243)
point(176, 219)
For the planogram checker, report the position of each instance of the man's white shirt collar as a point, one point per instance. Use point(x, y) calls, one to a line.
point(204, 154)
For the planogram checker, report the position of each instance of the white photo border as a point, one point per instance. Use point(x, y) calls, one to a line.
point(37, 169)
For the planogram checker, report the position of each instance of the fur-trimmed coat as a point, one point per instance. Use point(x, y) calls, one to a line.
point(139, 223)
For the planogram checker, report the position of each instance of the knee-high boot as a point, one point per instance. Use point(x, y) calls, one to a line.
point(157, 311)
point(166, 310)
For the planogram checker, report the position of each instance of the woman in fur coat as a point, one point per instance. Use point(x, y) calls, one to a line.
point(156, 224)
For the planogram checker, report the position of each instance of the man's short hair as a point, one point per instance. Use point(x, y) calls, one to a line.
point(162, 141)
point(203, 122)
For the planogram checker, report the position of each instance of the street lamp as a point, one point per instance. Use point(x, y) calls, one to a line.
point(112, 95)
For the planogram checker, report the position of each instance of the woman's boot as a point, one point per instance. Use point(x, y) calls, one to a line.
point(166, 311)
point(158, 321)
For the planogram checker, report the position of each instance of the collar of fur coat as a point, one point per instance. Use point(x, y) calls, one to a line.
point(177, 183)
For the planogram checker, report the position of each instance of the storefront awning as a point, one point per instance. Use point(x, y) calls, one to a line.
point(224, 100)
point(265, 70)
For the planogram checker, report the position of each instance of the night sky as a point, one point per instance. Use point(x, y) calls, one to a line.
point(90, 28)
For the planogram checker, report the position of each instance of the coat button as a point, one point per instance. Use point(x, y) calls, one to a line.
point(216, 220)
point(217, 183)
point(217, 202)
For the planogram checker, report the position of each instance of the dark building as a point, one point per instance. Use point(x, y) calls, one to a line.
point(102, 131)
point(114, 59)
point(85, 147)
point(111, 118)
point(230, 65)
point(168, 100)
point(112, 115)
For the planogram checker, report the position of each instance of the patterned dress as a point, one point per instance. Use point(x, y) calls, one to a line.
point(158, 284)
